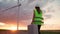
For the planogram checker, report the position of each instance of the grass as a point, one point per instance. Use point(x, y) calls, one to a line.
point(25, 32)
point(50, 32)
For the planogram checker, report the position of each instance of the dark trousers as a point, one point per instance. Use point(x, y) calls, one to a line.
point(39, 26)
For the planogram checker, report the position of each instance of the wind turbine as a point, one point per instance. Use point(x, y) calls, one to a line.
point(18, 5)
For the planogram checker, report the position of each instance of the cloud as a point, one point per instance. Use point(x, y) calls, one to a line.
point(26, 11)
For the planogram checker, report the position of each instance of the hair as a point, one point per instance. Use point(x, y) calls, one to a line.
point(38, 9)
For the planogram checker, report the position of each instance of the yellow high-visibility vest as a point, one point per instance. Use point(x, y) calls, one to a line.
point(37, 17)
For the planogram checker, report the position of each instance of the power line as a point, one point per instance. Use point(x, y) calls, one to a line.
point(9, 8)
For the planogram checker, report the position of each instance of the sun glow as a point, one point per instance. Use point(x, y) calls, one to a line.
point(2, 24)
point(13, 28)
point(22, 28)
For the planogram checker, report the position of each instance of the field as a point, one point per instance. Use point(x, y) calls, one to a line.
point(50, 32)
point(26, 32)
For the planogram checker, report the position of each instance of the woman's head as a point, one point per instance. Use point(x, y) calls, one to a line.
point(37, 8)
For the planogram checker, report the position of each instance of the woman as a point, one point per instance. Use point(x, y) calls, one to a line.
point(37, 18)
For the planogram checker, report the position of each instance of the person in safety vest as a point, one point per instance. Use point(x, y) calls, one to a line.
point(37, 18)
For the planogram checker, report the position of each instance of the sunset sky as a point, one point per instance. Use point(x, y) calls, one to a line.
point(50, 8)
